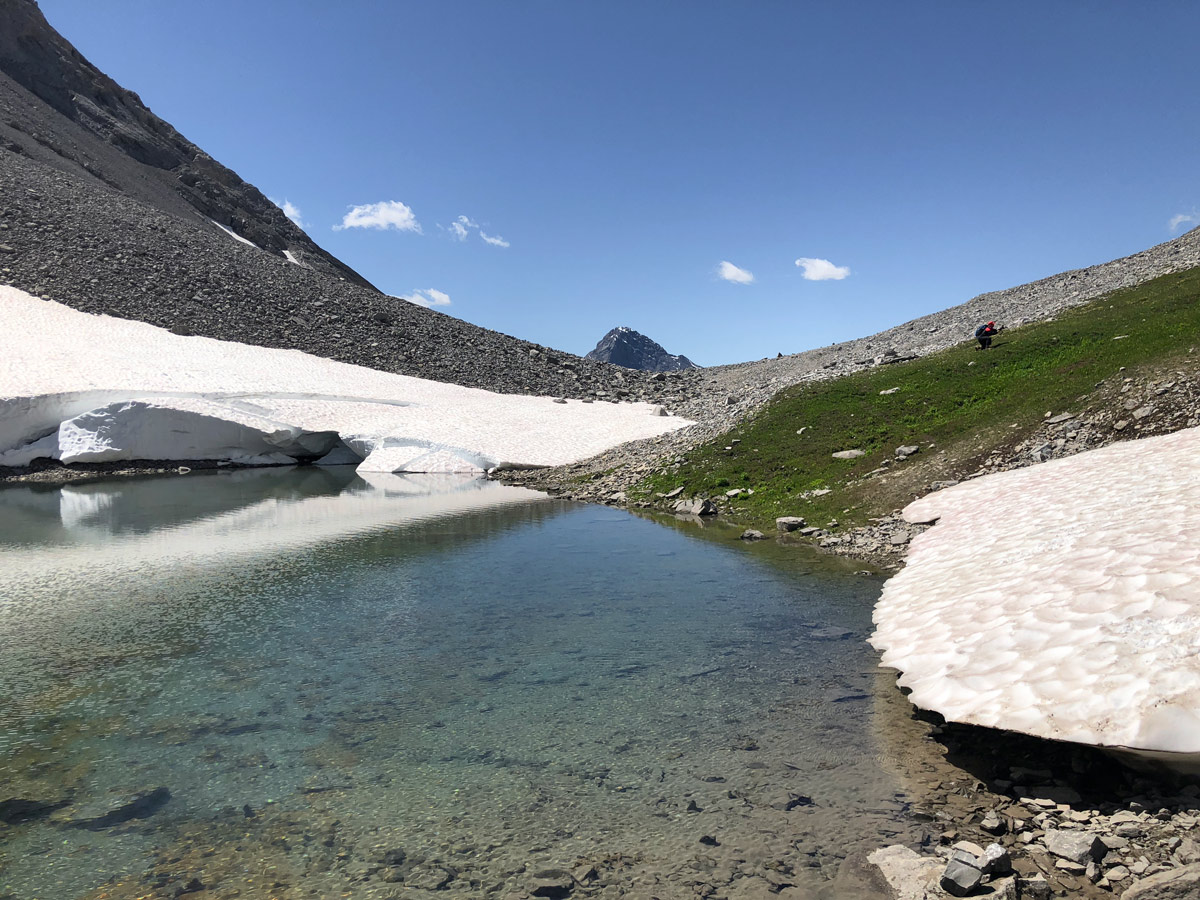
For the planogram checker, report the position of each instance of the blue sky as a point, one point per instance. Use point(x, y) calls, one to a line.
point(608, 158)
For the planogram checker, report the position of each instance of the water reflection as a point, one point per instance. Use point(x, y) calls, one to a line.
point(295, 684)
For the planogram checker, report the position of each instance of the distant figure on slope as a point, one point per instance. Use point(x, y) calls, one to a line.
point(985, 333)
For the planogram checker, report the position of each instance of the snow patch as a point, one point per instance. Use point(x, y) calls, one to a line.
point(79, 387)
point(233, 234)
point(1060, 600)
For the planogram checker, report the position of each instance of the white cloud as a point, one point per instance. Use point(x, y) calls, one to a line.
point(428, 297)
point(730, 272)
point(821, 269)
point(460, 225)
point(291, 211)
point(463, 225)
point(387, 214)
point(1192, 218)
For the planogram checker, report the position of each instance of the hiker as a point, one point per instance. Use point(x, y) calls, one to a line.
point(985, 333)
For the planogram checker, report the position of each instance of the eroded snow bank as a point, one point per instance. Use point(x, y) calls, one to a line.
point(78, 387)
point(1061, 600)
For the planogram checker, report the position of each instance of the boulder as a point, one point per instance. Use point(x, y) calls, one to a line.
point(1176, 884)
point(907, 450)
point(849, 454)
point(699, 507)
point(751, 535)
point(962, 874)
point(995, 860)
point(789, 523)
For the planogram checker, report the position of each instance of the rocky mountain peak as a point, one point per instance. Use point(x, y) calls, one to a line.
point(625, 347)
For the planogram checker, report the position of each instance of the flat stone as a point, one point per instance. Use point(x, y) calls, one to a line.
point(789, 523)
point(909, 875)
point(552, 883)
point(968, 847)
point(993, 823)
point(1061, 417)
point(849, 454)
point(1071, 868)
point(1074, 846)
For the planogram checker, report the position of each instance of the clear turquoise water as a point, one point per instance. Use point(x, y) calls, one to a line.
point(413, 687)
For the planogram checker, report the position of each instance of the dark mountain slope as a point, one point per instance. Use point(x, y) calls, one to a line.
point(59, 109)
point(70, 240)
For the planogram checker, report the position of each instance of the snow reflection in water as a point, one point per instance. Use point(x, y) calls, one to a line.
point(379, 689)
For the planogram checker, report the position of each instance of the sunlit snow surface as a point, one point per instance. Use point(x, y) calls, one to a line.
point(84, 388)
point(1060, 600)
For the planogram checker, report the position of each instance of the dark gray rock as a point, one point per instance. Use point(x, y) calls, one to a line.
point(962, 874)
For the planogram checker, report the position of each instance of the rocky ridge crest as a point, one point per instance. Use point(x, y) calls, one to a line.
point(59, 109)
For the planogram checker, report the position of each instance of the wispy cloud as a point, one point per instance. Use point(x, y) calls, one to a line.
point(1192, 218)
point(428, 297)
point(387, 214)
point(464, 225)
point(459, 227)
point(291, 210)
point(730, 272)
point(821, 269)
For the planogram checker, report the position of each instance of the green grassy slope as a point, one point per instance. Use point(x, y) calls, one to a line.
point(963, 401)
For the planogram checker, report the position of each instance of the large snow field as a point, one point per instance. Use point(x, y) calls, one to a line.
point(1060, 600)
point(84, 388)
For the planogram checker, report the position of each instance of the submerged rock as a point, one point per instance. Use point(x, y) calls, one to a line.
point(112, 809)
